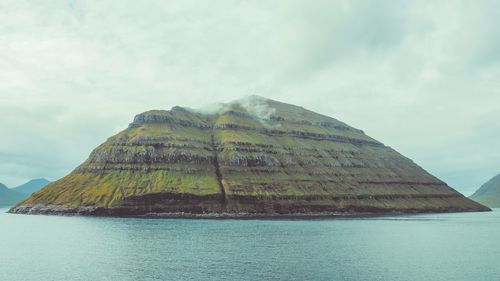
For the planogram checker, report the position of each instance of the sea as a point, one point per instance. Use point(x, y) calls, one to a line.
point(430, 247)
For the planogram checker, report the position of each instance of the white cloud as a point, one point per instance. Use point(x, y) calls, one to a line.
point(420, 76)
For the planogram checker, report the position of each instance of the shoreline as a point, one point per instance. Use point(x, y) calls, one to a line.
point(96, 212)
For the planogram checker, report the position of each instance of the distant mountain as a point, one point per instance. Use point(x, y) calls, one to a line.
point(9, 197)
point(31, 186)
point(489, 193)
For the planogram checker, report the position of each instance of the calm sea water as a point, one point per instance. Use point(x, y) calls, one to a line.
point(463, 246)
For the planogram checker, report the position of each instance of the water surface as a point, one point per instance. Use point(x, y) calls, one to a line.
point(461, 246)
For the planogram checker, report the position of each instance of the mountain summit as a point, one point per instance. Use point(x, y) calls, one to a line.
point(249, 157)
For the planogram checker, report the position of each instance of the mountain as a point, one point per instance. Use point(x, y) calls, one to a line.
point(31, 186)
point(489, 193)
point(249, 157)
point(9, 197)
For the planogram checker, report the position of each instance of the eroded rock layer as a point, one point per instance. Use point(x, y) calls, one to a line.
point(258, 157)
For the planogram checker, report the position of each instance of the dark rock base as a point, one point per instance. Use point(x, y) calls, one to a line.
point(290, 212)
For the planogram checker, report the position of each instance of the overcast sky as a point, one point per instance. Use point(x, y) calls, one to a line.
point(420, 76)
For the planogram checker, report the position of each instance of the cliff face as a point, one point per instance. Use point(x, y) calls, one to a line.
point(256, 156)
point(489, 193)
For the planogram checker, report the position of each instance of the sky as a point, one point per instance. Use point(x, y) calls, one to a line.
point(420, 76)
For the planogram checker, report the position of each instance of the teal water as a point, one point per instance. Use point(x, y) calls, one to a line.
point(462, 246)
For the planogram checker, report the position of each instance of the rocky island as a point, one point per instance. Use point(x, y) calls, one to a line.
point(253, 157)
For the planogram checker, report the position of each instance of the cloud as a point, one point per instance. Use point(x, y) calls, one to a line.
point(420, 76)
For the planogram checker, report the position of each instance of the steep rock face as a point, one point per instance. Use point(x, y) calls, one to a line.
point(255, 156)
point(489, 193)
